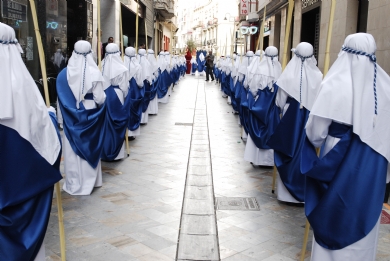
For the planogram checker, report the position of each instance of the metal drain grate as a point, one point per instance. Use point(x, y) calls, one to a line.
point(237, 204)
point(183, 124)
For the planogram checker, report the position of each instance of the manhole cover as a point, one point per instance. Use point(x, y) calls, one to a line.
point(237, 204)
point(385, 218)
point(183, 124)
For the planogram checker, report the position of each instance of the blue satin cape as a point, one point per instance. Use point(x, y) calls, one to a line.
point(136, 96)
point(163, 85)
point(148, 92)
point(84, 129)
point(153, 91)
point(263, 116)
point(344, 189)
point(26, 192)
point(216, 72)
point(117, 117)
point(232, 94)
point(287, 142)
point(237, 94)
point(244, 109)
point(226, 83)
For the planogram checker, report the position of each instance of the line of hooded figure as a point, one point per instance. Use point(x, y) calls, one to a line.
point(96, 106)
point(99, 107)
point(288, 117)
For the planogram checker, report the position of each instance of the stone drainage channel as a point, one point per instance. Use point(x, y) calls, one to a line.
point(198, 239)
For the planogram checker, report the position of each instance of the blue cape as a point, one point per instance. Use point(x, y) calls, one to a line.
point(153, 91)
point(117, 117)
point(136, 96)
point(287, 142)
point(148, 92)
point(26, 192)
point(163, 84)
point(84, 129)
point(344, 189)
point(263, 116)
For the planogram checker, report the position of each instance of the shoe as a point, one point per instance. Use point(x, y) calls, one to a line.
point(212, 80)
point(207, 80)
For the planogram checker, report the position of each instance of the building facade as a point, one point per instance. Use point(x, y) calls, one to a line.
point(210, 24)
point(311, 20)
point(61, 24)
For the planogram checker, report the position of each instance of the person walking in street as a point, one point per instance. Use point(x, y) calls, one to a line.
point(110, 40)
point(209, 66)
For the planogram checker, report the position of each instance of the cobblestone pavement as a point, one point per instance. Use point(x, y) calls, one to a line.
point(138, 212)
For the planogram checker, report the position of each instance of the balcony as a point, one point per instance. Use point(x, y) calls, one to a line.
point(165, 8)
point(198, 24)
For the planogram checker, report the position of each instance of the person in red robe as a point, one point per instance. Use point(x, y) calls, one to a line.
point(188, 61)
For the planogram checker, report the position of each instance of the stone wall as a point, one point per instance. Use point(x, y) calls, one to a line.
point(379, 26)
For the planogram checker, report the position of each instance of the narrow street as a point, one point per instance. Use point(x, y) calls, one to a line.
point(185, 193)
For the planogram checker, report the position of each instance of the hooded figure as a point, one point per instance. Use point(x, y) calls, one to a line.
point(58, 60)
point(175, 69)
point(147, 75)
point(201, 62)
point(153, 105)
point(225, 81)
point(30, 152)
point(116, 85)
point(194, 65)
point(298, 87)
point(81, 97)
point(188, 61)
point(136, 91)
point(263, 115)
point(164, 90)
point(349, 120)
point(243, 92)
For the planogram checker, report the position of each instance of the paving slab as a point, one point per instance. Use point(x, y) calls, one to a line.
point(201, 193)
point(198, 225)
point(198, 247)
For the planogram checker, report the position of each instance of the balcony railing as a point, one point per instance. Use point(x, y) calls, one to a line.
point(165, 8)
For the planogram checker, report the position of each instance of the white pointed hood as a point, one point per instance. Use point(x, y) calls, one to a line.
point(301, 79)
point(82, 71)
point(22, 107)
point(348, 94)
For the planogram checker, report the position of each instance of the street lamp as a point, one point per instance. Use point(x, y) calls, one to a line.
point(229, 17)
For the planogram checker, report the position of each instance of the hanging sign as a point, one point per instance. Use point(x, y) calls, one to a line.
point(244, 7)
point(14, 10)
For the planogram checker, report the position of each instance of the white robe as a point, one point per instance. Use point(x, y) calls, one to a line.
point(80, 177)
point(41, 256)
point(258, 156)
point(364, 249)
point(153, 106)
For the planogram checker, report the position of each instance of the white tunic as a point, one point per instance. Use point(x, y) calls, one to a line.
point(153, 106)
point(80, 177)
point(364, 249)
point(258, 156)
